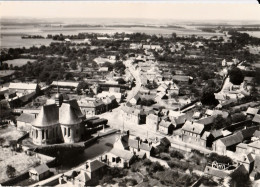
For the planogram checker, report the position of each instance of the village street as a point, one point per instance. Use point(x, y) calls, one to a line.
point(115, 119)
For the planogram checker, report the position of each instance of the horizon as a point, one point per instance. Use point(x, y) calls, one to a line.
point(134, 10)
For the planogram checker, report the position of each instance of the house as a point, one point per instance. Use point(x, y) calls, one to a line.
point(192, 132)
point(174, 114)
point(252, 111)
point(146, 148)
point(247, 160)
point(118, 158)
point(152, 121)
point(182, 78)
point(229, 143)
point(31, 87)
point(135, 100)
point(179, 121)
point(216, 172)
point(174, 89)
point(114, 90)
point(241, 148)
point(134, 145)
point(40, 172)
point(215, 135)
point(254, 147)
point(196, 115)
point(90, 173)
point(122, 142)
point(104, 94)
point(65, 85)
point(255, 174)
point(256, 119)
point(166, 127)
point(132, 115)
point(24, 121)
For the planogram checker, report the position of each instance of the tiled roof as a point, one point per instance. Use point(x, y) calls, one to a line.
point(27, 118)
point(94, 165)
point(256, 118)
point(252, 111)
point(133, 143)
point(126, 155)
point(49, 115)
point(40, 169)
point(74, 104)
point(206, 121)
point(145, 146)
point(166, 124)
point(152, 117)
point(23, 86)
point(65, 83)
point(193, 127)
point(232, 139)
point(82, 177)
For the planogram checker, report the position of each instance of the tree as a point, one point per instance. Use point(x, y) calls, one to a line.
point(10, 171)
point(208, 97)
point(238, 117)
point(220, 122)
point(240, 178)
point(236, 76)
point(73, 65)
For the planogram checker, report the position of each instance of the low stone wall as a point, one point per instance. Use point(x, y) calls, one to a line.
point(16, 179)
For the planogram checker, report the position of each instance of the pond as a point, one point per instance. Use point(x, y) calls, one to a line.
point(101, 146)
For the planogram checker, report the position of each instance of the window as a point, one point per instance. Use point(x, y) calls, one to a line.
point(43, 134)
point(47, 136)
point(36, 133)
point(113, 159)
point(64, 131)
point(56, 131)
point(68, 132)
point(77, 132)
point(53, 132)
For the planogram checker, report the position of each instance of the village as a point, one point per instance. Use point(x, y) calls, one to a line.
point(182, 111)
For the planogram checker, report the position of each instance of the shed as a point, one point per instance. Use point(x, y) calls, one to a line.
point(40, 172)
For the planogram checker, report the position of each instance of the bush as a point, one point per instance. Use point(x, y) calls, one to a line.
point(154, 167)
point(178, 165)
point(176, 154)
point(131, 182)
point(147, 162)
point(164, 156)
point(220, 159)
point(10, 171)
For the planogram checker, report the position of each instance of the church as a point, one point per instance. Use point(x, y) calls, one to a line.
point(62, 121)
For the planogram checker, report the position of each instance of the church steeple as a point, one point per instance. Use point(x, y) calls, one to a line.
point(58, 97)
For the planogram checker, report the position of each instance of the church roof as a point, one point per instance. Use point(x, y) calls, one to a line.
point(49, 115)
point(68, 115)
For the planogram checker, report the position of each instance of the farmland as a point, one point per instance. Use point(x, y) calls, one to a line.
point(18, 62)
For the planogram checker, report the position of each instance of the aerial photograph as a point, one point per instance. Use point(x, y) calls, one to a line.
point(129, 94)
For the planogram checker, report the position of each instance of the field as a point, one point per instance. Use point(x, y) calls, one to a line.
point(20, 161)
point(18, 62)
point(17, 42)
point(253, 33)
point(11, 36)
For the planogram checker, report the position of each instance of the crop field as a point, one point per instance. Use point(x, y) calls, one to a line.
point(18, 62)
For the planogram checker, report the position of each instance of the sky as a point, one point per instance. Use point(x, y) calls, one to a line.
point(153, 10)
